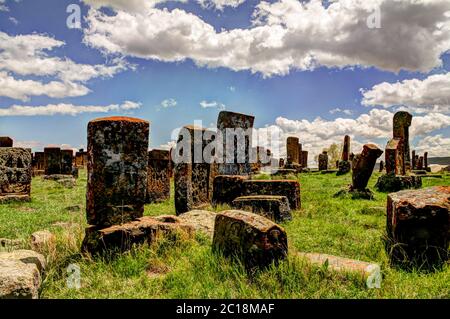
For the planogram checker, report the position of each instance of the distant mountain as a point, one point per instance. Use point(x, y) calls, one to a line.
point(439, 160)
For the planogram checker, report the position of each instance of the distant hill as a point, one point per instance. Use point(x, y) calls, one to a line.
point(439, 160)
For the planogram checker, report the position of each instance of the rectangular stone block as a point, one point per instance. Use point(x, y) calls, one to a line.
point(292, 150)
point(418, 227)
point(38, 161)
point(254, 240)
point(66, 162)
point(323, 161)
point(288, 188)
point(15, 174)
point(52, 160)
point(227, 188)
point(120, 238)
point(394, 157)
point(275, 208)
point(158, 180)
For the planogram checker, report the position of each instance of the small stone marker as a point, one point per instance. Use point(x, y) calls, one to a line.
point(15, 174)
point(402, 122)
point(418, 227)
point(66, 162)
point(292, 148)
point(158, 180)
point(304, 159)
point(323, 161)
point(275, 208)
point(255, 240)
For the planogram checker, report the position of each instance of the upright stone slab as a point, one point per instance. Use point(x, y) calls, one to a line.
point(158, 180)
point(254, 240)
point(15, 174)
point(117, 170)
point(425, 161)
point(305, 159)
point(363, 165)
point(323, 161)
point(413, 160)
point(418, 227)
point(344, 165)
point(402, 122)
point(300, 150)
point(381, 166)
point(420, 163)
point(194, 175)
point(292, 150)
point(6, 141)
point(80, 158)
point(281, 162)
point(346, 149)
point(66, 162)
point(52, 160)
point(237, 148)
point(394, 157)
point(39, 161)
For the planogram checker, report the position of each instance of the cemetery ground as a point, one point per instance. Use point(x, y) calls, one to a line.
point(187, 268)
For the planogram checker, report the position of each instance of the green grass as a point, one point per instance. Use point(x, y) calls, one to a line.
point(343, 227)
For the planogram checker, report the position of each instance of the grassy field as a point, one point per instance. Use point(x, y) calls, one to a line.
point(188, 269)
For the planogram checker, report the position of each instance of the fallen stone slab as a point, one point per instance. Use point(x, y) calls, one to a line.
point(201, 221)
point(370, 273)
point(418, 227)
point(226, 188)
point(19, 280)
point(27, 257)
point(395, 183)
point(288, 188)
point(14, 198)
point(276, 208)
point(253, 239)
point(120, 238)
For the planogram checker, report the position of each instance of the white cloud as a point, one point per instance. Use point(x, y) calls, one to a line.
point(28, 55)
point(169, 103)
point(13, 20)
point(23, 89)
point(420, 96)
point(436, 146)
point(212, 105)
point(3, 7)
point(286, 35)
point(220, 4)
point(66, 109)
point(339, 110)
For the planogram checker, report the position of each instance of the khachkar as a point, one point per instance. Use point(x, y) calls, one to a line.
point(344, 164)
point(52, 160)
point(323, 161)
point(294, 154)
point(15, 174)
point(117, 187)
point(38, 163)
point(6, 141)
point(362, 168)
point(236, 134)
point(66, 162)
point(418, 227)
point(397, 158)
point(305, 159)
point(158, 180)
point(80, 158)
point(193, 174)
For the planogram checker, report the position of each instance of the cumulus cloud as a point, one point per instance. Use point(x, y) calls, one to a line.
point(420, 96)
point(23, 89)
point(28, 55)
point(212, 105)
point(285, 35)
point(169, 103)
point(66, 109)
point(3, 7)
point(220, 4)
point(436, 146)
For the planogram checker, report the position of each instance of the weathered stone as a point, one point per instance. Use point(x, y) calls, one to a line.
point(227, 188)
point(418, 227)
point(158, 180)
point(394, 157)
point(425, 161)
point(81, 158)
point(117, 170)
point(38, 161)
point(120, 238)
point(10, 244)
point(344, 167)
point(381, 166)
point(288, 188)
point(43, 241)
point(200, 220)
point(346, 149)
point(27, 257)
point(66, 162)
point(15, 174)
point(254, 240)
point(370, 273)
point(413, 160)
point(292, 149)
point(18, 280)
point(6, 141)
point(281, 163)
point(393, 183)
point(402, 122)
point(52, 160)
point(323, 161)
point(237, 148)
point(330, 171)
point(194, 177)
point(276, 208)
point(420, 164)
point(304, 159)
point(363, 165)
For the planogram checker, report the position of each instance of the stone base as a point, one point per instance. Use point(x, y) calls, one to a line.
point(390, 183)
point(276, 208)
point(355, 193)
point(7, 198)
point(329, 171)
point(120, 238)
point(344, 168)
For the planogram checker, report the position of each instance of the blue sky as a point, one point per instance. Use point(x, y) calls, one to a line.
point(278, 85)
